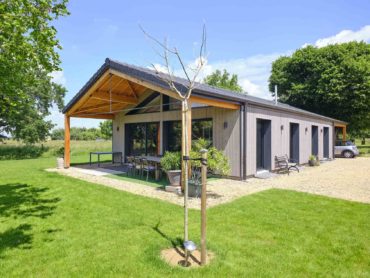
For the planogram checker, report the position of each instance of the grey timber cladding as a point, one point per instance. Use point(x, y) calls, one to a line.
point(226, 139)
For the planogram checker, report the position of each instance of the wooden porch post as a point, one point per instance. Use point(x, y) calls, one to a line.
point(344, 133)
point(67, 142)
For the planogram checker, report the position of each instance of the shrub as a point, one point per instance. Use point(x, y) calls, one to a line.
point(218, 163)
point(60, 152)
point(171, 161)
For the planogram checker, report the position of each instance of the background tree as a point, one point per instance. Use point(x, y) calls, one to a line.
point(223, 80)
point(333, 81)
point(28, 55)
point(106, 129)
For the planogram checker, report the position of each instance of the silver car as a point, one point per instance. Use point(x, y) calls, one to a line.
point(346, 149)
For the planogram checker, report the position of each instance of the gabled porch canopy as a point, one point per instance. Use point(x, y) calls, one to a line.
point(118, 87)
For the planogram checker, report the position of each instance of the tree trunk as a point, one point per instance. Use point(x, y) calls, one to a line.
point(186, 145)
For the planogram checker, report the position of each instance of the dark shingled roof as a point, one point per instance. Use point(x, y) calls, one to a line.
point(201, 89)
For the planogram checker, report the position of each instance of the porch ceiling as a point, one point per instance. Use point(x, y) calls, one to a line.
point(114, 91)
point(109, 95)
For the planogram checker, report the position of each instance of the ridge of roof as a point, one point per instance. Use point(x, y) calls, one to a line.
point(152, 76)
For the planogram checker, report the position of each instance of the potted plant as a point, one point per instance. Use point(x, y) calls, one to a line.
point(60, 157)
point(171, 164)
point(217, 163)
point(313, 160)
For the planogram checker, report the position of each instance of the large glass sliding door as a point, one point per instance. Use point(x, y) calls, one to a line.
point(201, 129)
point(142, 139)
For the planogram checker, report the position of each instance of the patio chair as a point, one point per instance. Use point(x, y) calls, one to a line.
point(148, 167)
point(130, 165)
point(283, 163)
point(138, 167)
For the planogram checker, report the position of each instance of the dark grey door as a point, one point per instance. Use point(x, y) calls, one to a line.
point(294, 142)
point(315, 140)
point(326, 142)
point(263, 145)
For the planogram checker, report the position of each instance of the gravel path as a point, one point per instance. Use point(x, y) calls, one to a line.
point(347, 179)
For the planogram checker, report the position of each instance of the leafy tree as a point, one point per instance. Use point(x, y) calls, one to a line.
point(83, 133)
point(223, 80)
point(28, 54)
point(57, 134)
point(106, 129)
point(333, 81)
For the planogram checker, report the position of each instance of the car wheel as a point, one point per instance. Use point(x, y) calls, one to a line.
point(348, 154)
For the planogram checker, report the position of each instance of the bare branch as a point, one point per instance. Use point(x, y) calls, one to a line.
point(169, 77)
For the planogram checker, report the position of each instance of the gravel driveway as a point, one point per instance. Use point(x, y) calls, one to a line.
point(347, 179)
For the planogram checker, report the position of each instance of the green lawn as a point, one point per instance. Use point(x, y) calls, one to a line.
point(52, 225)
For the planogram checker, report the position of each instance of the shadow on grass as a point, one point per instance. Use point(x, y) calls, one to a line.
point(23, 201)
point(21, 152)
point(176, 243)
point(16, 238)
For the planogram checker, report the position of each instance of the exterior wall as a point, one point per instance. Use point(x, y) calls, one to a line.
point(280, 138)
point(225, 139)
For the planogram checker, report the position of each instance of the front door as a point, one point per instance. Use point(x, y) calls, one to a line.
point(314, 140)
point(294, 142)
point(326, 142)
point(263, 144)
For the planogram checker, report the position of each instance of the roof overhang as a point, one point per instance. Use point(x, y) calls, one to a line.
point(113, 89)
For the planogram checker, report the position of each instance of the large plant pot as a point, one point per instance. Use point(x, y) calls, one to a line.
point(174, 177)
point(194, 190)
point(60, 162)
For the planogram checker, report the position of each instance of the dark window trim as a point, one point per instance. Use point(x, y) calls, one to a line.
point(127, 136)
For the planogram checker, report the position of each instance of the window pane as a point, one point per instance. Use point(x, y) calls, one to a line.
point(152, 138)
point(142, 139)
point(136, 142)
point(202, 129)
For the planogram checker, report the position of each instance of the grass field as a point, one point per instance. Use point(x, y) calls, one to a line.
point(52, 225)
point(364, 149)
point(79, 149)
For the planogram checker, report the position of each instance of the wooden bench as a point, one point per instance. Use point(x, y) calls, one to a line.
point(283, 163)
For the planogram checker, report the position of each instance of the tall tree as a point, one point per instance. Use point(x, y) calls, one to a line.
point(28, 55)
point(332, 80)
point(223, 80)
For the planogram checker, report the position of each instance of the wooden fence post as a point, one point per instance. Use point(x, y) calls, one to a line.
point(203, 209)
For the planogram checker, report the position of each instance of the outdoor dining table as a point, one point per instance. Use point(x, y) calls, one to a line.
point(157, 161)
point(112, 153)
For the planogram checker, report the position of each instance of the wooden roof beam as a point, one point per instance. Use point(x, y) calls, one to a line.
point(94, 107)
point(214, 102)
point(95, 116)
point(132, 89)
point(146, 84)
point(105, 96)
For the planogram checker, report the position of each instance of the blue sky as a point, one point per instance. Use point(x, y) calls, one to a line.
point(242, 36)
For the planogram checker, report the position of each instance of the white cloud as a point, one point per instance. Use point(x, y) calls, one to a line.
point(158, 67)
point(58, 77)
point(345, 36)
